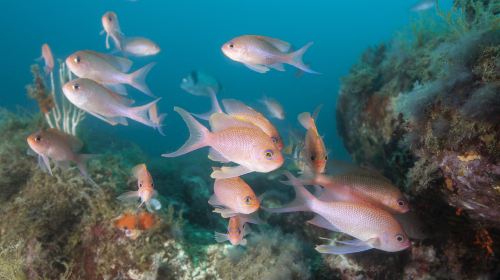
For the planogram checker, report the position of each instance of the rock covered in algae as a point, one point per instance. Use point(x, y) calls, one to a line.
point(426, 113)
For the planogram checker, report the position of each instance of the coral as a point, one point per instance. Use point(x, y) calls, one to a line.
point(57, 110)
point(427, 117)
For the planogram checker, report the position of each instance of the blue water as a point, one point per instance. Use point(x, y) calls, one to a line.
point(190, 34)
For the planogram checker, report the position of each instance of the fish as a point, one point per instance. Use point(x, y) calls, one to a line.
point(314, 153)
point(423, 5)
point(233, 196)
point(48, 59)
point(369, 226)
point(156, 118)
point(360, 188)
point(237, 229)
point(133, 224)
point(61, 147)
point(112, 29)
point(274, 108)
point(230, 141)
point(105, 104)
point(240, 111)
point(200, 84)
point(139, 46)
point(145, 189)
point(108, 70)
point(260, 53)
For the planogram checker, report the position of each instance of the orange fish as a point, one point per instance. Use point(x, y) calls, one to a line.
point(237, 229)
point(133, 224)
point(145, 192)
point(314, 153)
point(233, 196)
point(261, 53)
point(231, 141)
point(48, 58)
point(60, 147)
point(370, 227)
point(379, 192)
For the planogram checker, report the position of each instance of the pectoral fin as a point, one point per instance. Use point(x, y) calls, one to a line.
point(44, 163)
point(229, 172)
point(258, 68)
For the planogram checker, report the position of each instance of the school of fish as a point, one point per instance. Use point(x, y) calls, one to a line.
point(363, 205)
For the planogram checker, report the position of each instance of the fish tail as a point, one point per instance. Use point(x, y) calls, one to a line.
point(81, 163)
point(141, 114)
point(306, 120)
point(302, 201)
point(215, 107)
point(296, 59)
point(198, 134)
point(137, 79)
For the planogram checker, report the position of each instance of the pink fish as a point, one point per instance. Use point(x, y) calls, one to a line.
point(261, 53)
point(145, 189)
point(237, 229)
point(139, 46)
point(231, 141)
point(274, 108)
point(112, 29)
point(371, 227)
point(48, 58)
point(233, 196)
point(106, 105)
point(353, 187)
point(108, 70)
point(314, 154)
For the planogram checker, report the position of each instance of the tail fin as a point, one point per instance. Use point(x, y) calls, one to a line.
point(296, 59)
point(141, 113)
point(81, 163)
point(215, 106)
point(137, 79)
point(302, 201)
point(198, 134)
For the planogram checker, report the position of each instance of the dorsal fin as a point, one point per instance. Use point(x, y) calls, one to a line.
point(282, 46)
point(221, 121)
point(236, 107)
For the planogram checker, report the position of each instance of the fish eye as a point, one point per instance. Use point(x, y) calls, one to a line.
point(38, 138)
point(326, 157)
point(400, 238)
point(152, 185)
point(248, 199)
point(401, 202)
point(76, 86)
point(140, 185)
point(77, 59)
point(239, 231)
point(231, 46)
point(269, 154)
point(313, 157)
point(110, 18)
point(275, 140)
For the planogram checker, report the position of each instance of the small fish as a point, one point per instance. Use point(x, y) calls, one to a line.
point(61, 148)
point(156, 118)
point(145, 189)
point(231, 141)
point(133, 224)
point(200, 84)
point(274, 108)
point(237, 229)
point(314, 153)
point(371, 227)
point(261, 53)
point(105, 104)
point(139, 46)
point(112, 29)
point(423, 5)
point(233, 196)
point(107, 69)
point(352, 187)
point(48, 59)
point(240, 111)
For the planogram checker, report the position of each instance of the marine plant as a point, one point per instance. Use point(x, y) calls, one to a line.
point(58, 111)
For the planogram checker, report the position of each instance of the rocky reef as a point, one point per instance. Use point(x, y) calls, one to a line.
point(425, 111)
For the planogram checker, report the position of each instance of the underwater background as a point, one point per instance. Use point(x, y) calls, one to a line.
point(414, 95)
